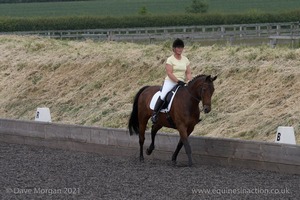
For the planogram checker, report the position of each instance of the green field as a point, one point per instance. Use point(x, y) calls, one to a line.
point(132, 7)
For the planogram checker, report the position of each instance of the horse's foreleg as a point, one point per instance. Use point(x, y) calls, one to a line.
point(184, 133)
point(188, 150)
point(175, 154)
point(154, 130)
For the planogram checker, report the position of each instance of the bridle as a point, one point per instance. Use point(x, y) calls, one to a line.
point(197, 99)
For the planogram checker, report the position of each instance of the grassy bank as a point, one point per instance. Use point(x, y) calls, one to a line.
point(93, 83)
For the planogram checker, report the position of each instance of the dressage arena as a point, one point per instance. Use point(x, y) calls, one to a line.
point(55, 161)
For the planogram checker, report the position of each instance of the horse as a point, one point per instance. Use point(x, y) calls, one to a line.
point(184, 112)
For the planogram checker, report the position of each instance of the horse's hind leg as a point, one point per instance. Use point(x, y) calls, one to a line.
point(155, 128)
point(141, 141)
point(175, 154)
point(142, 130)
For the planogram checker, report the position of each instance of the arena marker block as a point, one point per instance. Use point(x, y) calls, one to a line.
point(285, 134)
point(43, 115)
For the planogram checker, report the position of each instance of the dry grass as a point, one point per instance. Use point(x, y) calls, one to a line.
point(93, 83)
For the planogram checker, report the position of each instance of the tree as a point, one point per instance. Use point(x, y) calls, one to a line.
point(143, 11)
point(197, 6)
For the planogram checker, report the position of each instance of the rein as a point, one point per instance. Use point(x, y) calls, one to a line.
point(198, 100)
point(201, 92)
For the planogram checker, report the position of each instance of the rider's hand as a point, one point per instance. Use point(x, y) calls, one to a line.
point(181, 83)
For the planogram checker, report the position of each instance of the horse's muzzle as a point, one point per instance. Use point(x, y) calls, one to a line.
point(206, 109)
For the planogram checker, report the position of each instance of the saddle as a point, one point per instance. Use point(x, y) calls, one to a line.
point(168, 99)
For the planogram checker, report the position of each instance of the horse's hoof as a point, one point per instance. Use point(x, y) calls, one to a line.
point(148, 152)
point(174, 163)
point(142, 160)
point(190, 164)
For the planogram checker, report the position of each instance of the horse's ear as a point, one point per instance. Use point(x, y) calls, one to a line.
point(214, 78)
point(208, 78)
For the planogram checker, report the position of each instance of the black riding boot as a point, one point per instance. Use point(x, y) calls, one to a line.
point(158, 105)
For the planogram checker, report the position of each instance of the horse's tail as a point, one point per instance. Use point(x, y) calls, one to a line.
point(133, 124)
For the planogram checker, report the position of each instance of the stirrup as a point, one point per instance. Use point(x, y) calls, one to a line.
point(154, 118)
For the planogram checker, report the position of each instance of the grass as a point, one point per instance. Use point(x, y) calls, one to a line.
point(132, 7)
point(253, 94)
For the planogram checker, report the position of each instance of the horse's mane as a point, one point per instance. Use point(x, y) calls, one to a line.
point(196, 77)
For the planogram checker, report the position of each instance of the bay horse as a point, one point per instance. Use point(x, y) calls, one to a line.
point(184, 112)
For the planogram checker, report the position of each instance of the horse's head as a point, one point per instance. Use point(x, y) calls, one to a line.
point(207, 91)
point(203, 88)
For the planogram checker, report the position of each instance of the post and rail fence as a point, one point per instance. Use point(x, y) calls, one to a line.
point(270, 32)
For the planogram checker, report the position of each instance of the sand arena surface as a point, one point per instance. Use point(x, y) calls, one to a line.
point(30, 172)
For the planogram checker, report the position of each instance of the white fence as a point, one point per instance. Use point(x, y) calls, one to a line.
point(212, 32)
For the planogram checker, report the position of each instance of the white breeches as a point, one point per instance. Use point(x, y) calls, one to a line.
point(167, 87)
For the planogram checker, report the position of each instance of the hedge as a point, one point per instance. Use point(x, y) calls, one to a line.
point(10, 24)
point(33, 1)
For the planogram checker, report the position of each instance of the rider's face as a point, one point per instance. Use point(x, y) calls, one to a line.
point(178, 50)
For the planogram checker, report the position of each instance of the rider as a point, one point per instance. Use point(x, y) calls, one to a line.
point(178, 71)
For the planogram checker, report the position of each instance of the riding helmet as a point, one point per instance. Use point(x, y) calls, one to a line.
point(178, 43)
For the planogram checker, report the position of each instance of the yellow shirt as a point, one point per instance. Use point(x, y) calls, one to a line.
point(179, 67)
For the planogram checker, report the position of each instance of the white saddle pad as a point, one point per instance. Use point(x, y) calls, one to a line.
point(155, 97)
